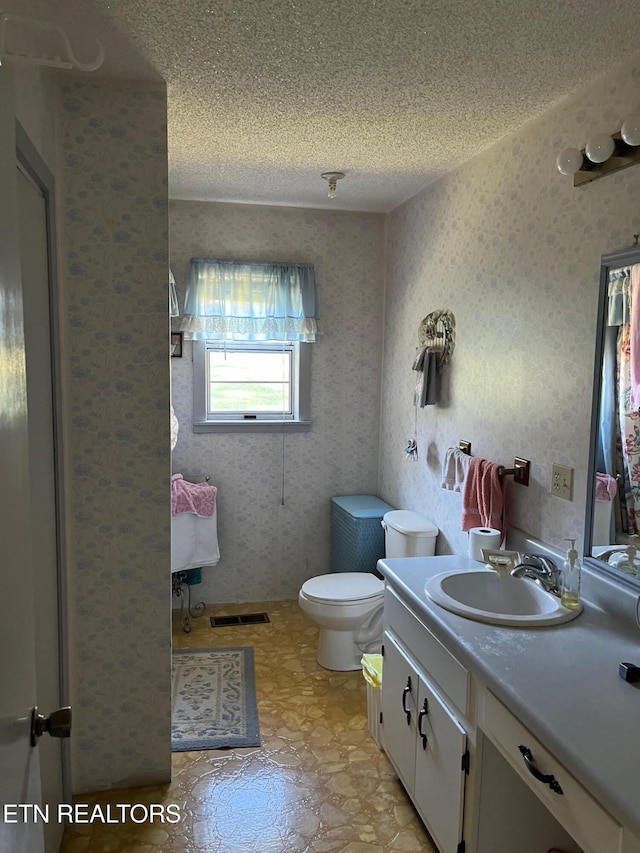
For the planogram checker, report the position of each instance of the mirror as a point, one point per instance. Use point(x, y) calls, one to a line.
point(612, 529)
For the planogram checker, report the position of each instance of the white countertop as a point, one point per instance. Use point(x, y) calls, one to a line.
point(561, 681)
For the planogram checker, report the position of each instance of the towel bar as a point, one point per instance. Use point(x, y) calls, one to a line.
point(521, 467)
point(520, 471)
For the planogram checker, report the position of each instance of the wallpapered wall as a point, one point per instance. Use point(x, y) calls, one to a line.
point(513, 250)
point(113, 190)
point(268, 550)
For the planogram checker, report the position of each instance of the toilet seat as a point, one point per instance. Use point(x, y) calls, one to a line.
point(343, 588)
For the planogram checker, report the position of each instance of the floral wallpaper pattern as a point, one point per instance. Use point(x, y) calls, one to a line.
point(504, 242)
point(513, 250)
point(113, 188)
point(269, 548)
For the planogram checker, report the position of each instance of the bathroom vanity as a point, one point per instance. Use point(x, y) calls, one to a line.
point(512, 740)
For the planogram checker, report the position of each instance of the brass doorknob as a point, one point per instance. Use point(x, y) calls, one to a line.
point(57, 724)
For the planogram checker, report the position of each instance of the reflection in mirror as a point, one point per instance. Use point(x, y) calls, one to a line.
point(613, 498)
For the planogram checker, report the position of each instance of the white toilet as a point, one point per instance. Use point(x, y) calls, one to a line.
point(348, 605)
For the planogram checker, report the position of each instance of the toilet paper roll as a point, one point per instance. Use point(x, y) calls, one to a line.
point(483, 537)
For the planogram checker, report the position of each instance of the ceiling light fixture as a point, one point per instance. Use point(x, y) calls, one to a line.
point(332, 178)
point(603, 154)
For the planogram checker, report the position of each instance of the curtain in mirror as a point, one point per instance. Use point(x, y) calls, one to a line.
point(618, 457)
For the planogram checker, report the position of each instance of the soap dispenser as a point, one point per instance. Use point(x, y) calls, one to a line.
point(627, 561)
point(570, 580)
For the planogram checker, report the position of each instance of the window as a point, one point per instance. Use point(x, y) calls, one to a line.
point(252, 324)
point(260, 385)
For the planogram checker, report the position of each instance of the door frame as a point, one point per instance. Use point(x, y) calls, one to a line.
point(30, 161)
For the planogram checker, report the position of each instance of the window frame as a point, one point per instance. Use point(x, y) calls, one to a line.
point(299, 420)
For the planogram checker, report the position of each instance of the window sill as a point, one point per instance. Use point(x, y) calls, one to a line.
point(252, 426)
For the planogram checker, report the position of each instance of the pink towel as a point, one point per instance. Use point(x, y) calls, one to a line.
point(483, 496)
point(606, 487)
point(634, 337)
point(198, 498)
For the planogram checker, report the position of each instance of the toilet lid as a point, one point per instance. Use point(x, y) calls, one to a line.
point(343, 587)
point(410, 523)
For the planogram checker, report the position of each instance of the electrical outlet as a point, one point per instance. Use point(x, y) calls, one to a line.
point(562, 482)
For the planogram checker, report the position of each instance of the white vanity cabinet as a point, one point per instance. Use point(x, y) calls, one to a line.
point(422, 735)
point(457, 749)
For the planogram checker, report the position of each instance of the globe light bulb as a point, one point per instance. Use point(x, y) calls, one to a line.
point(569, 161)
point(332, 179)
point(599, 148)
point(630, 130)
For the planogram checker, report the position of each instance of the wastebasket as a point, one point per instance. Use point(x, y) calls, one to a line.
point(372, 672)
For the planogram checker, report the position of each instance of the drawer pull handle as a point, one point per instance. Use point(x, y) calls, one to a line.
point(423, 713)
point(547, 778)
point(406, 691)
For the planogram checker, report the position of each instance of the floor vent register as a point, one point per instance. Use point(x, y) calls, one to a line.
point(239, 619)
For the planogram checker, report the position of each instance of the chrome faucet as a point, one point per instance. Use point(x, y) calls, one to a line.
point(540, 569)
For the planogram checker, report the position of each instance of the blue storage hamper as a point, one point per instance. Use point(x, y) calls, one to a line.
point(357, 537)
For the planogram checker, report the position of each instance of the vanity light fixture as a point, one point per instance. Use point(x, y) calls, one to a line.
point(332, 178)
point(603, 154)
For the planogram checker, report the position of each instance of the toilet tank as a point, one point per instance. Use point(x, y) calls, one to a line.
point(408, 534)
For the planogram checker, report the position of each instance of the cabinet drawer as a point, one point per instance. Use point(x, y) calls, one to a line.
point(449, 675)
point(578, 812)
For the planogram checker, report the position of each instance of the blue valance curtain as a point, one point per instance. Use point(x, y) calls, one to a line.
point(250, 301)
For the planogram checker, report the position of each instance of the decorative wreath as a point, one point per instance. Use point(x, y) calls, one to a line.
point(437, 333)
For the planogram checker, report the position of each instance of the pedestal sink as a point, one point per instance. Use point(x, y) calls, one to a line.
point(486, 596)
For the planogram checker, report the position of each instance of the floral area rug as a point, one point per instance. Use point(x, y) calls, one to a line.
point(214, 699)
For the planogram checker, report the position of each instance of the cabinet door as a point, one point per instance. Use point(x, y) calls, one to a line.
point(398, 700)
point(440, 771)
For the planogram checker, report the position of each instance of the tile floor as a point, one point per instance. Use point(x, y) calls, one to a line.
point(318, 783)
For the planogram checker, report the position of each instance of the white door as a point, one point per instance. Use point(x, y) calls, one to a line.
point(29, 624)
point(44, 537)
point(19, 761)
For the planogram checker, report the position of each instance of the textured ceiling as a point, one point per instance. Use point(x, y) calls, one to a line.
point(264, 95)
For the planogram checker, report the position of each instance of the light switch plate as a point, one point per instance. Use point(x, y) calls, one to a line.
point(562, 482)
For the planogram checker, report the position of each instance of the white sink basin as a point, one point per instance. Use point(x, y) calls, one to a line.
point(486, 596)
